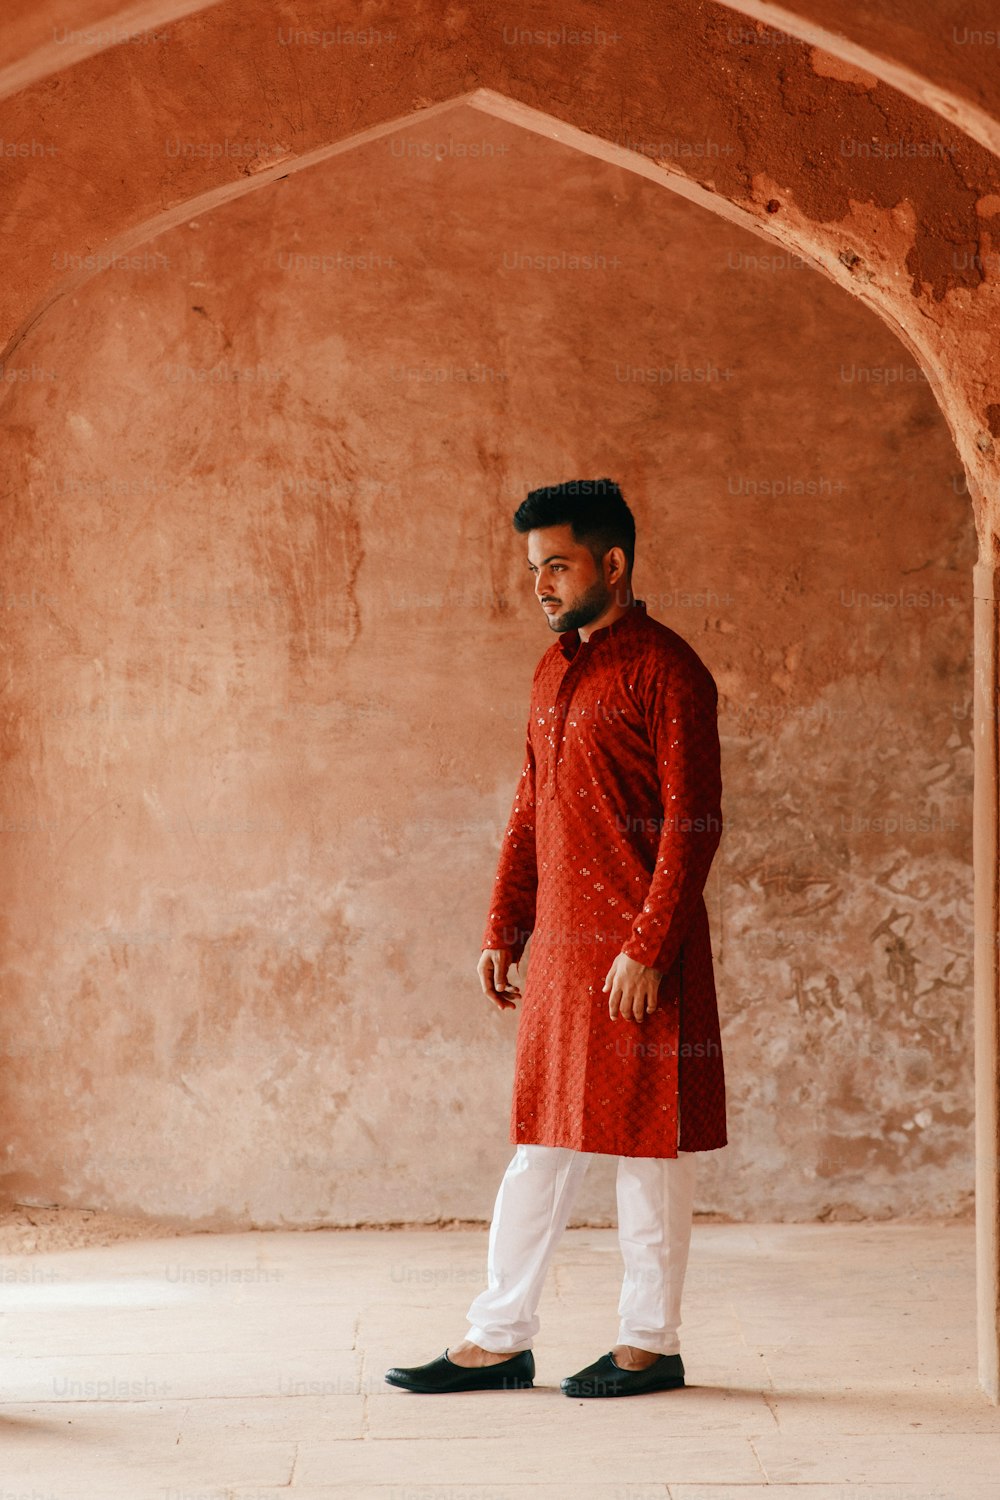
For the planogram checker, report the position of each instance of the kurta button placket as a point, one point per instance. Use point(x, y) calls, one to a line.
point(564, 697)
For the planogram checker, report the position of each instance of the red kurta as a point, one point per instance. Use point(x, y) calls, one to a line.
point(615, 823)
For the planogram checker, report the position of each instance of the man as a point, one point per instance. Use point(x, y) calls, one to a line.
point(614, 826)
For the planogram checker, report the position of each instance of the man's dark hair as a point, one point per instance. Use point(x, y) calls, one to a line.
point(595, 508)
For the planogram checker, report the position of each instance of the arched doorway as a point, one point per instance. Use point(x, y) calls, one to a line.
point(851, 268)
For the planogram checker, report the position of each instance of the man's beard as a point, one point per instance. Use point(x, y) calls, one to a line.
point(589, 605)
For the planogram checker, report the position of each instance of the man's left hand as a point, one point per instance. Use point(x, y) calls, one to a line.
point(633, 988)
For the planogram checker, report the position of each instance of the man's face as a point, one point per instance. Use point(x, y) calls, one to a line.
point(568, 584)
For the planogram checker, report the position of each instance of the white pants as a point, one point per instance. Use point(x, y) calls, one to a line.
point(655, 1203)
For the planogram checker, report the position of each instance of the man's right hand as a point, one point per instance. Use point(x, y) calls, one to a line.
point(494, 964)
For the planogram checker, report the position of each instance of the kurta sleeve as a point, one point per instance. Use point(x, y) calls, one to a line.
point(681, 704)
point(512, 905)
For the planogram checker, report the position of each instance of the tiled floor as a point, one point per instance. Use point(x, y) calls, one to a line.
point(825, 1362)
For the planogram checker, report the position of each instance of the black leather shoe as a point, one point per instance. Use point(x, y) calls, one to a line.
point(605, 1378)
point(513, 1374)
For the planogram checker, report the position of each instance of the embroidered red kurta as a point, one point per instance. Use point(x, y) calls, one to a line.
point(615, 822)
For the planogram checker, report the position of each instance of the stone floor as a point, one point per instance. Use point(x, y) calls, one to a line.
point(824, 1362)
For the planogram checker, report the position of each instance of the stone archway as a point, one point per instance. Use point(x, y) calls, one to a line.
point(878, 234)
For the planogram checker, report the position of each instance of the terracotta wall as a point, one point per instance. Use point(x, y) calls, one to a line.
point(269, 640)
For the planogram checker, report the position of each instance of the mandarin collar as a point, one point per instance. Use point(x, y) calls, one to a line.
point(569, 640)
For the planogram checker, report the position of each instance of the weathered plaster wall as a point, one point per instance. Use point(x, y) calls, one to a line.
point(886, 194)
point(948, 44)
point(269, 639)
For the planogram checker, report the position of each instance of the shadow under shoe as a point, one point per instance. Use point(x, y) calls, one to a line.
point(439, 1375)
point(605, 1378)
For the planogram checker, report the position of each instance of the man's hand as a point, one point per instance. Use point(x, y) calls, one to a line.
point(493, 966)
point(633, 988)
